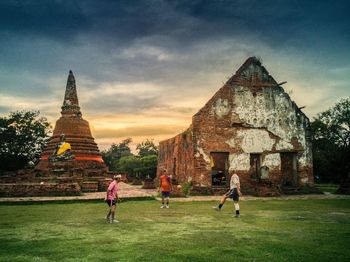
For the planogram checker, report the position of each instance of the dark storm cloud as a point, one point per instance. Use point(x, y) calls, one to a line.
point(175, 44)
point(182, 21)
point(53, 19)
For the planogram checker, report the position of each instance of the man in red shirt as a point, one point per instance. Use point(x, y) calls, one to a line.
point(111, 197)
point(165, 187)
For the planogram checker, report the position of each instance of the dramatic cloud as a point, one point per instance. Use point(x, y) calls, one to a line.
point(143, 68)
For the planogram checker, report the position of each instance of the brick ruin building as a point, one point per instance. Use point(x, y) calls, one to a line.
point(251, 126)
point(86, 173)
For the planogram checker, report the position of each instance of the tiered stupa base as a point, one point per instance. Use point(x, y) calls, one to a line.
point(63, 178)
point(90, 175)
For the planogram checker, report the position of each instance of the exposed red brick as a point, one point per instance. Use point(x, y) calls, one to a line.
point(250, 114)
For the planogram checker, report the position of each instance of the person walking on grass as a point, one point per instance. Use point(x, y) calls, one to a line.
point(234, 193)
point(112, 197)
point(165, 187)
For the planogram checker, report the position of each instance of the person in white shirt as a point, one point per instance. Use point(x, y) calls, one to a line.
point(234, 193)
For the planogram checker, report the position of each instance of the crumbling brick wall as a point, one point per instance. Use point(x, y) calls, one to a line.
point(250, 115)
point(176, 156)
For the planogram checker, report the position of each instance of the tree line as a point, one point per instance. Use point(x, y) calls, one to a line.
point(23, 135)
point(119, 158)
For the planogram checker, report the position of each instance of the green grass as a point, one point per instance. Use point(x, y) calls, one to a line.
point(272, 230)
point(330, 188)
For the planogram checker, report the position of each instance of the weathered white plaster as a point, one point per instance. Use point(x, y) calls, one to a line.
point(272, 160)
point(271, 109)
point(255, 140)
point(303, 159)
point(221, 107)
point(284, 145)
point(231, 142)
point(201, 152)
point(239, 162)
point(304, 180)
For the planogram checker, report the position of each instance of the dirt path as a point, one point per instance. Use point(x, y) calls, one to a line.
point(130, 191)
point(126, 191)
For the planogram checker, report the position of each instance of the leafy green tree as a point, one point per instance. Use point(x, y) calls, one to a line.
point(331, 143)
point(139, 167)
point(112, 155)
point(23, 135)
point(148, 167)
point(146, 148)
point(130, 165)
point(120, 159)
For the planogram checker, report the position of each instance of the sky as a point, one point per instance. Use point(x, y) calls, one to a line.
point(144, 68)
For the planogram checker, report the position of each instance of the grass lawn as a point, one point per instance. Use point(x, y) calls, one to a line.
point(271, 230)
point(330, 188)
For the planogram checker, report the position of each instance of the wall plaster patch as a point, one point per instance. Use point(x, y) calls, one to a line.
point(239, 162)
point(255, 140)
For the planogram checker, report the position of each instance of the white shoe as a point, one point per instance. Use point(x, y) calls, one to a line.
point(114, 221)
point(217, 208)
point(167, 206)
point(162, 206)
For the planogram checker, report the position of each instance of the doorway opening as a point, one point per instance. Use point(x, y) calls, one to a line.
point(255, 166)
point(219, 168)
point(289, 169)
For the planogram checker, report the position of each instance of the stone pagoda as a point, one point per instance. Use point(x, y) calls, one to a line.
point(77, 133)
point(87, 166)
point(78, 169)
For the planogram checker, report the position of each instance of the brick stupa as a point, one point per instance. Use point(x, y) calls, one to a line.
point(76, 130)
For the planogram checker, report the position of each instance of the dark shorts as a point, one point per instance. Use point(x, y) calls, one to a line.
point(111, 202)
point(165, 194)
point(233, 193)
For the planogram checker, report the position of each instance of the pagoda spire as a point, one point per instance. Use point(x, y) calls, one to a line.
point(70, 105)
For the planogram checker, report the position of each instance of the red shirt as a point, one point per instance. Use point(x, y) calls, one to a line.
point(165, 183)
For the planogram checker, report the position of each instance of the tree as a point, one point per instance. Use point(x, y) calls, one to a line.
point(148, 167)
point(331, 142)
point(112, 156)
point(23, 135)
point(139, 167)
point(130, 165)
point(120, 159)
point(146, 148)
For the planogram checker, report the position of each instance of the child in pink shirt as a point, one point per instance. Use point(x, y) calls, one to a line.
point(111, 197)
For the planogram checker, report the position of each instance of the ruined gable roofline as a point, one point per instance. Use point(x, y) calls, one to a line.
point(256, 61)
point(238, 76)
point(189, 129)
point(210, 100)
point(249, 61)
point(236, 79)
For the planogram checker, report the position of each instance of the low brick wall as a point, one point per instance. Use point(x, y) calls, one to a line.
point(40, 189)
point(103, 184)
point(89, 186)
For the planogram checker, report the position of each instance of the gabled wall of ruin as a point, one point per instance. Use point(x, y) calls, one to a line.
point(250, 115)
